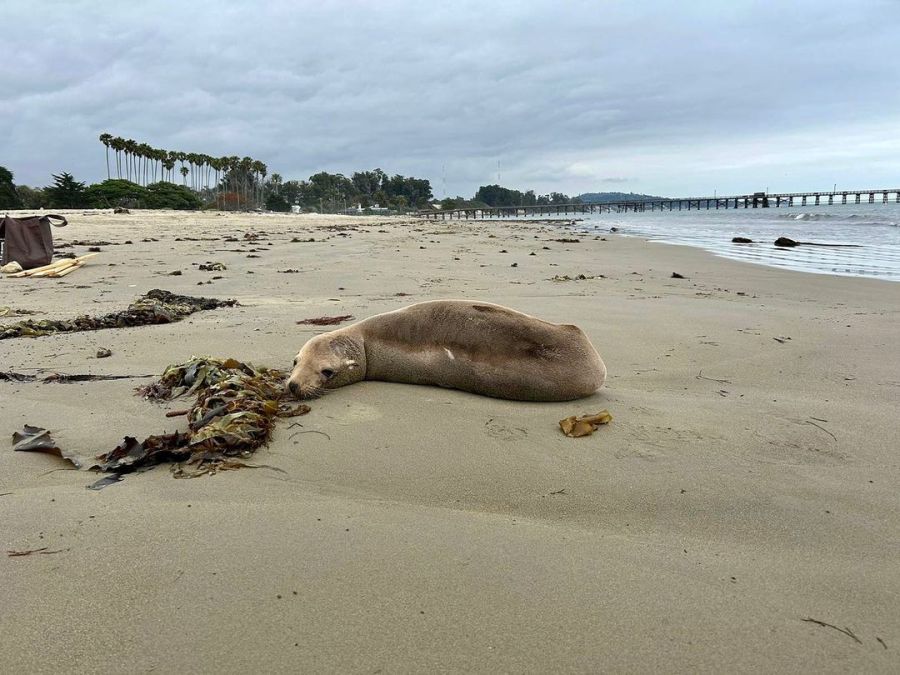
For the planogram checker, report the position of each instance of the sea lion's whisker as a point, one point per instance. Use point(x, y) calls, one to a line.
point(314, 392)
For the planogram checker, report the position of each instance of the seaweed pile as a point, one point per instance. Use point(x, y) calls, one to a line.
point(157, 306)
point(326, 320)
point(234, 413)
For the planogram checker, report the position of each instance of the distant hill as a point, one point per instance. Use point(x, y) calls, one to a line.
point(604, 197)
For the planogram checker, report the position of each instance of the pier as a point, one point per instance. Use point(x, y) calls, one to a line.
point(755, 200)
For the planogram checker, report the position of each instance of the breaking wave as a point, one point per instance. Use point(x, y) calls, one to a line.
point(855, 219)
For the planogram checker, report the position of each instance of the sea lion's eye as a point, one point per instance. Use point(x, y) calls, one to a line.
point(327, 373)
point(295, 363)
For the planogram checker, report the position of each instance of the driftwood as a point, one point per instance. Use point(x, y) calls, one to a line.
point(60, 268)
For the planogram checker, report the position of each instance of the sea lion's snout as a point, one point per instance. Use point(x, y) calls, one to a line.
point(299, 388)
point(325, 362)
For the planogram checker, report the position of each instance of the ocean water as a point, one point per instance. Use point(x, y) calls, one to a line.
point(873, 228)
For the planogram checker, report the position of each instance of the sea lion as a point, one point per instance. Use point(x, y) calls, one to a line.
point(459, 344)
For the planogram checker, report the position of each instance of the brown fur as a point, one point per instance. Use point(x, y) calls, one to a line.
point(478, 347)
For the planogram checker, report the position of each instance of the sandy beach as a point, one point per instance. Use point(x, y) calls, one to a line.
point(741, 512)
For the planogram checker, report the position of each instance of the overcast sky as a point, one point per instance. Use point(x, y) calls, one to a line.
point(663, 98)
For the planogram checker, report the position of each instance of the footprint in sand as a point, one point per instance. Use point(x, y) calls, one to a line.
point(497, 429)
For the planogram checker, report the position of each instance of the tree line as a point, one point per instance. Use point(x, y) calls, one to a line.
point(67, 193)
point(327, 192)
point(322, 192)
point(143, 164)
point(495, 195)
point(145, 177)
point(235, 183)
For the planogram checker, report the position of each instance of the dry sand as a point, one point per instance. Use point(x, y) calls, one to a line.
point(416, 529)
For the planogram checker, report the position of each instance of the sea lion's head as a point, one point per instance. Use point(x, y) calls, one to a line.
point(326, 361)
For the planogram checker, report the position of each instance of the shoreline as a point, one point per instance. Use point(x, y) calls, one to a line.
point(746, 483)
point(787, 267)
point(865, 255)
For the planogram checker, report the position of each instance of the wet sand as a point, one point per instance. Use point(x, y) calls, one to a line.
point(747, 483)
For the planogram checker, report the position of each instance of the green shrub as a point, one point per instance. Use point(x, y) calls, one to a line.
point(170, 196)
point(116, 192)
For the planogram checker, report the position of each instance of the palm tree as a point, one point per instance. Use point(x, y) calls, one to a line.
point(208, 163)
point(254, 181)
point(223, 168)
point(199, 159)
point(230, 167)
point(227, 178)
point(147, 154)
point(105, 139)
point(131, 147)
point(143, 152)
point(218, 163)
point(235, 166)
point(184, 173)
point(138, 160)
point(189, 158)
point(118, 144)
point(182, 156)
point(158, 156)
point(246, 166)
point(261, 170)
point(123, 144)
point(204, 164)
point(168, 164)
point(162, 157)
point(154, 163)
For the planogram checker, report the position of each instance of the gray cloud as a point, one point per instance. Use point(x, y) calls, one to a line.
point(563, 95)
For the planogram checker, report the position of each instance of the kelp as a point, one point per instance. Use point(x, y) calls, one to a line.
point(326, 320)
point(36, 439)
point(234, 413)
point(63, 378)
point(156, 307)
point(575, 427)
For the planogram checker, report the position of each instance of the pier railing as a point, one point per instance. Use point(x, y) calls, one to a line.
point(755, 200)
